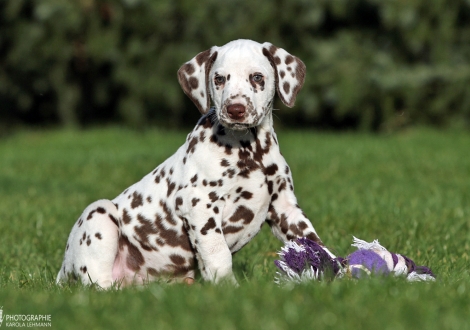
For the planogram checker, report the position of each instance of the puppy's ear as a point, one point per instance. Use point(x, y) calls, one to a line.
point(289, 71)
point(193, 77)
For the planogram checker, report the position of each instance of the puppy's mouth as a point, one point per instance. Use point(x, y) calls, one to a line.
point(236, 125)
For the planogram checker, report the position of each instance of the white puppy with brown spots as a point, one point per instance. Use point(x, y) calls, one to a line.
point(213, 195)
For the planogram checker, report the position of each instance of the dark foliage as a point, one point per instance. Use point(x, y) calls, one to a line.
point(372, 64)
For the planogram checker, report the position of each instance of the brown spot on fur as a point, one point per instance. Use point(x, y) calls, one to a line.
point(98, 236)
point(213, 196)
point(170, 236)
point(286, 87)
point(231, 173)
point(246, 195)
point(113, 219)
point(281, 220)
point(178, 203)
point(289, 59)
point(188, 68)
point(270, 187)
point(242, 213)
point(135, 259)
point(214, 139)
point(125, 217)
point(194, 201)
point(202, 136)
point(231, 229)
point(137, 200)
point(181, 270)
point(208, 226)
point(143, 231)
point(302, 225)
point(168, 213)
point(228, 149)
point(203, 57)
point(171, 187)
point(90, 215)
point(177, 259)
point(101, 210)
point(314, 238)
point(295, 229)
point(206, 122)
point(246, 164)
point(282, 186)
point(224, 163)
point(253, 84)
point(193, 82)
point(271, 169)
point(192, 145)
point(260, 151)
point(153, 272)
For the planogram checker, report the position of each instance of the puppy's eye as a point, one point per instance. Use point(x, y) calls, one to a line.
point(219, 79)
point(258, 77)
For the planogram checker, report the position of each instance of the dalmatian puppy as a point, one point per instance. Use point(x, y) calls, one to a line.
point(214, 194)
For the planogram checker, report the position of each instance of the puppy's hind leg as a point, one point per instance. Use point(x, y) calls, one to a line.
point(92, 246)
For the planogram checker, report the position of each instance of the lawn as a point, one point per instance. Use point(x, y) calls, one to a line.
point(410, 190)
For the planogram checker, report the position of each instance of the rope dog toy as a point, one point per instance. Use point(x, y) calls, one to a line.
point(304, 260)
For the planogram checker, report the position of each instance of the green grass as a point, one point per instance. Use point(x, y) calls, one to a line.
point(410, 190)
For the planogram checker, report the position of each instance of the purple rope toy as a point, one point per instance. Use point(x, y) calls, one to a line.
point(305, 260)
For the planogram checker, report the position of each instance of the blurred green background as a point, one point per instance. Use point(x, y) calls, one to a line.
point(373, 65)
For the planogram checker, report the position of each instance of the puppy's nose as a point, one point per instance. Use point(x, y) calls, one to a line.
point(236, 111)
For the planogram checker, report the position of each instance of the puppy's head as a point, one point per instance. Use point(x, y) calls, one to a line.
point(241, 78)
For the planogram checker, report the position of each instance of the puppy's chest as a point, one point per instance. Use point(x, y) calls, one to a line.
point(244, 211)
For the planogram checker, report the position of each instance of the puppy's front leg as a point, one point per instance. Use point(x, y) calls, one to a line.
point(285, 217)
point(204, 225)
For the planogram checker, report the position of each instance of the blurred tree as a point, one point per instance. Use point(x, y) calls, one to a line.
point(372, 64)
